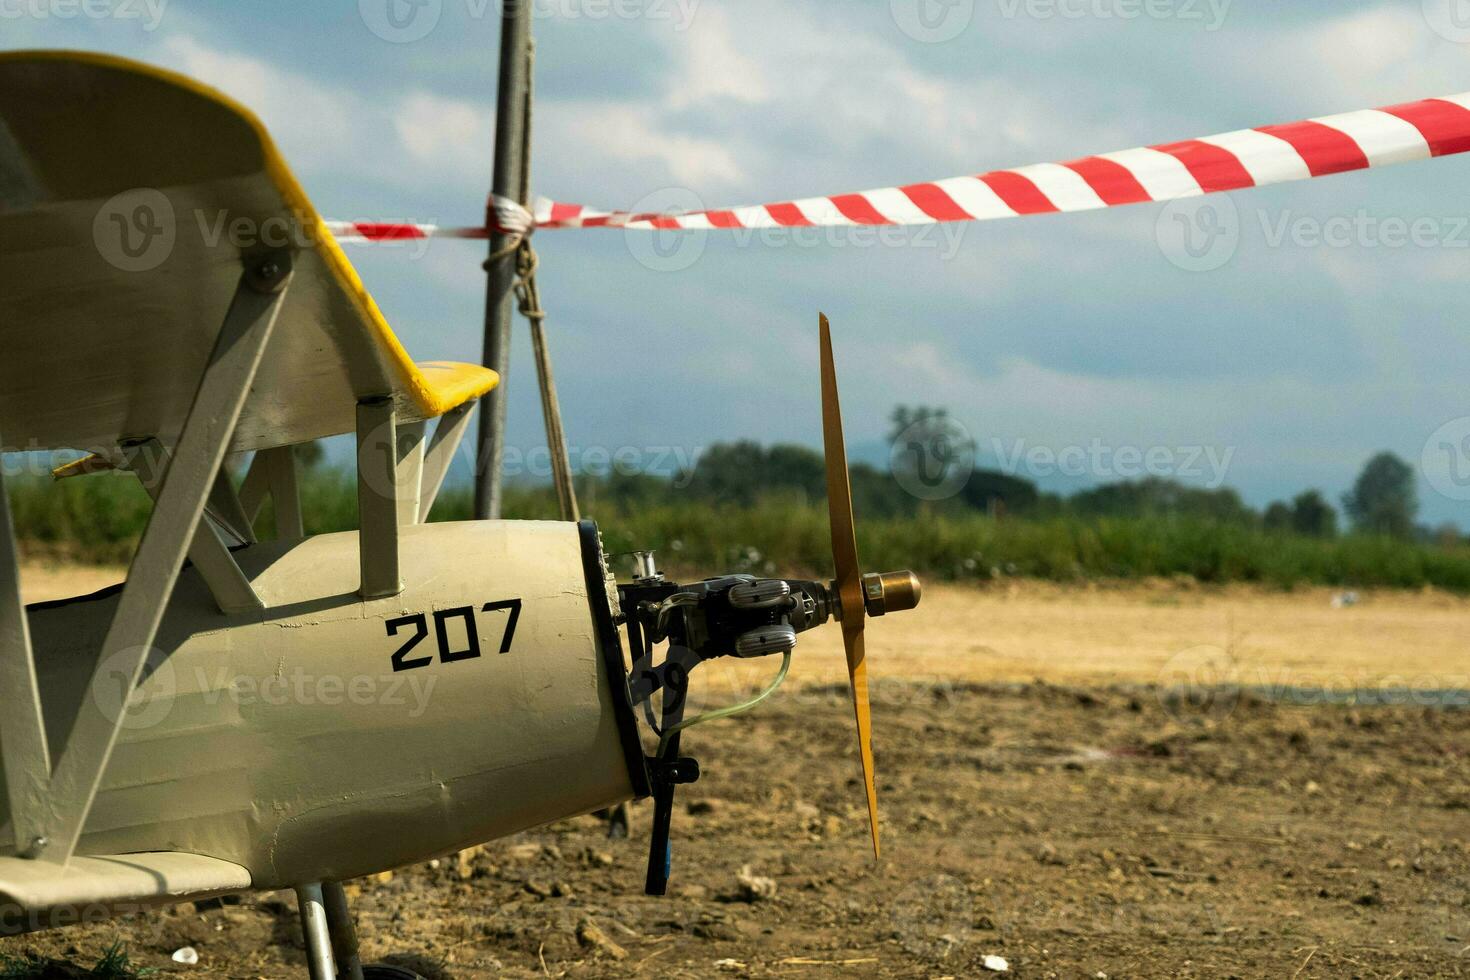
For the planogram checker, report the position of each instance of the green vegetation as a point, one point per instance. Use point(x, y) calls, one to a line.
point(89, 518)
point(787, 535)
point(1309, 513)
point(113, 965)
point(98, 518)
point(747, 507)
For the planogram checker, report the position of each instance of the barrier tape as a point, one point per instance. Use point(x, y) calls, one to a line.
point(505, 215)
point(1168, 171)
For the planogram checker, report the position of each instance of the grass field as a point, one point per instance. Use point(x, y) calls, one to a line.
point(98, 519)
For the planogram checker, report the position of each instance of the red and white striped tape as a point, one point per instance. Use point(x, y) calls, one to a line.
point(505, 215)
point(387, 231)
point(1168, 171)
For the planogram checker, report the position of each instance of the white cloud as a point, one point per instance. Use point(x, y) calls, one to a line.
point(622, 146)
point(445, 135)
point(847, 100)
point(328, 130)
point(746, 112)
point(715, 67)
point(1356, 60)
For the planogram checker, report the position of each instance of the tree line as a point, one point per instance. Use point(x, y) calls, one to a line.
point(1383, 499)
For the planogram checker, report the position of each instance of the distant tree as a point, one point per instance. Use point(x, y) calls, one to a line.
point(741, 472)
point(1279, 517)
point(625, 488)
point(1156, 496)
point(1383, 500)
point(1313, 516)
point(875, 493)
point(996, 492)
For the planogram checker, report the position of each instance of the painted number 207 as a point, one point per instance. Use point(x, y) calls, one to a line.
point(419, 622)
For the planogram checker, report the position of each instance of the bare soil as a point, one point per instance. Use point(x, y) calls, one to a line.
point(1091, 823)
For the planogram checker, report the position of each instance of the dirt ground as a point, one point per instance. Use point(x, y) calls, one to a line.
point(1142, 782)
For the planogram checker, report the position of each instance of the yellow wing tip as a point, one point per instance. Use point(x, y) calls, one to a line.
point(445, 385)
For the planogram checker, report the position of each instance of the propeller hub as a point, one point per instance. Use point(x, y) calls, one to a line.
point(886, 592)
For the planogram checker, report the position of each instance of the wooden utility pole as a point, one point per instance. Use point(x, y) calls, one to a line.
point(512, 150)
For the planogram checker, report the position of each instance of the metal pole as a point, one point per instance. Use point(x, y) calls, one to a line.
point(509, 181)
point(556, 439)
point(319, 961)
point(342, 930)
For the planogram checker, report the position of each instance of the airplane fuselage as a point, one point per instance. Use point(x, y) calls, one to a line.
point(327, 736)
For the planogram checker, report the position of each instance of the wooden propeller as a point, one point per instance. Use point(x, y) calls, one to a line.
point(849, 583)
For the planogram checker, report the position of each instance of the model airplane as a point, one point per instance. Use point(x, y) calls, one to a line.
point(155, 743)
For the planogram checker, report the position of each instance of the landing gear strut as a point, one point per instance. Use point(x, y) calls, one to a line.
point(331, 937)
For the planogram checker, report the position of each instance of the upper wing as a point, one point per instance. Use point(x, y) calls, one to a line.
point(127, 197)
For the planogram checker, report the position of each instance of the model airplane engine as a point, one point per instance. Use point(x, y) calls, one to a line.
point(743, 616)
point(728, 616)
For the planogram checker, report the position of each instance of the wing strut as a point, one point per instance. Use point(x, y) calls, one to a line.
point(274, 471)
point(49, 807)
point(232, 591)
point(26, 754)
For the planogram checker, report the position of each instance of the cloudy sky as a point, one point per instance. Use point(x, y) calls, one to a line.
point(1321, 337)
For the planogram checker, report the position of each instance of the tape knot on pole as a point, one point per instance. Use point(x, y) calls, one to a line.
point(528, 294)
